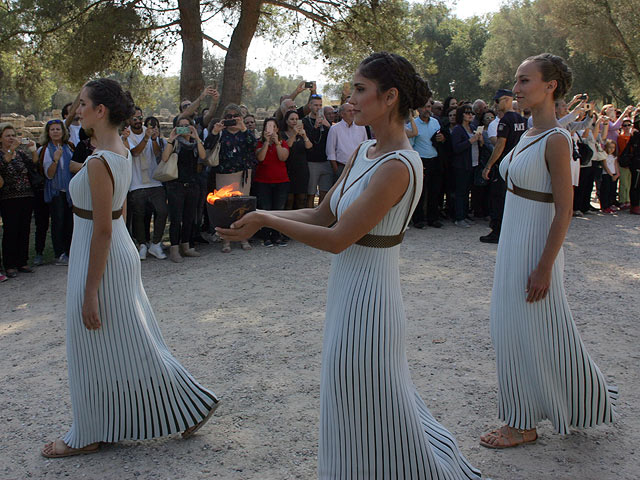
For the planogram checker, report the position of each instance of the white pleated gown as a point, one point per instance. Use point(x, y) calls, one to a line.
point(124, 382)
point(373, 423)
point(544, 370)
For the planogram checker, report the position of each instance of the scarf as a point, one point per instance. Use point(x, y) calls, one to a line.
point(60, 181)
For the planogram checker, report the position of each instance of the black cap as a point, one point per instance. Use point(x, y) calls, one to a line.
point(503, 92)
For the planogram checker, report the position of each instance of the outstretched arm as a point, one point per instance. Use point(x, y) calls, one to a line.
point(386, 188)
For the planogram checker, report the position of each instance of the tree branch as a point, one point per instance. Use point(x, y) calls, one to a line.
point(215, 42)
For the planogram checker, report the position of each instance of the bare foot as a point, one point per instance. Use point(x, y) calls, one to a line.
point(508, 437)
point(58, 449)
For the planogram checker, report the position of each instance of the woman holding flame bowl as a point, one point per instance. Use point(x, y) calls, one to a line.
point(373, 423)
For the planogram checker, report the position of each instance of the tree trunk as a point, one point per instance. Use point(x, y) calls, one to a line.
point(191, 81)
point(235, 61)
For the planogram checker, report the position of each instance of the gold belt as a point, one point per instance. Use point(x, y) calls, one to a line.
point(380, 241)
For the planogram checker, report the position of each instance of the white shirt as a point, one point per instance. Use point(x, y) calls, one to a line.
point(343, 140)
point(74, 134)
point(492, 128)
point(144, 164)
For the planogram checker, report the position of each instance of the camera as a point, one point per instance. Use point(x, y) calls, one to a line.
point(229, 123)
point(183, 130)
point(25, 141)
point(308, 84)
point(584, 96)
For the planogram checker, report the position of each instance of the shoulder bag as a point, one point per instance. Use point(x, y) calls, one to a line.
point(167, 171)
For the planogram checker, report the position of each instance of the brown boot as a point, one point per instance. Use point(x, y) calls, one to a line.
point(188, 252)
point(174, 254)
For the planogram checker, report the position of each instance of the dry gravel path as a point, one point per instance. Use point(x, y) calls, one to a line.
point(249, 325)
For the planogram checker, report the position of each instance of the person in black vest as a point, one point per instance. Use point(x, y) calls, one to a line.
point(511, 127)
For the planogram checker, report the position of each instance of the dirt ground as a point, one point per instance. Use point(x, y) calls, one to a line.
point(249, 325)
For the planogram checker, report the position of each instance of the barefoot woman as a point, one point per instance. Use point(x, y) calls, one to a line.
point(543, 368)
point(373, 424)
point(124, 382)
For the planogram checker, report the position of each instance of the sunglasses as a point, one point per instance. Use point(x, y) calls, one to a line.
point(626, 124)
point(315, 95)
point(138, 118)
point(55, 120)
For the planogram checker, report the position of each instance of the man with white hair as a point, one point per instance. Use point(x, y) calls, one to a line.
point(478, 107)
point(343, 139)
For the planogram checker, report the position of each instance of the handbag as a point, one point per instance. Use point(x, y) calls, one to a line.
point(599, 155)
point(213, 156)
point(167, 171)
point(584, 152)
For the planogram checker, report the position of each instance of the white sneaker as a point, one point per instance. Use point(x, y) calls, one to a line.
point(462, 223)
point(143, 251)
point(63, 260)
point(156, 250)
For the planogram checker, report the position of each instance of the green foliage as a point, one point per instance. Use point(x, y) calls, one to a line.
point(26, 86)
point(523, 29)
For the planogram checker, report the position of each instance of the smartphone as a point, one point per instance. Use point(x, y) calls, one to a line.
point(308, 84)
point(300, 124)
point(480, 129)
point(183, 130)
point(229, 123)
point(268, 129)
point(25, 141)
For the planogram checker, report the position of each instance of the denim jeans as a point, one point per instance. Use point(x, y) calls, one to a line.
point(139, 200)
point(182, 199)
point(271, 196)
point(61, 224)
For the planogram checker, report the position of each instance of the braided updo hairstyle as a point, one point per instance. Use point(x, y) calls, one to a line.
point(109, 93)
point(555, 68)
point(389, 70)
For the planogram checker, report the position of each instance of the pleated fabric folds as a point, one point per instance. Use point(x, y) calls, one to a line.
point(373, 423)
point(544, 370)
point(125, 384)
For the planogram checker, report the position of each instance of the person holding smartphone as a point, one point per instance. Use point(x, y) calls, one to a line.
point(182, 193)
point(272, 179)
point(237, 155)
point(297, 165)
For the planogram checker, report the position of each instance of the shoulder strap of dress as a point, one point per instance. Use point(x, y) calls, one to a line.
point(549, 132)
point(99, 156)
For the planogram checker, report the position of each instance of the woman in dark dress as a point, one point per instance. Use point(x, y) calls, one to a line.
point(297, 167)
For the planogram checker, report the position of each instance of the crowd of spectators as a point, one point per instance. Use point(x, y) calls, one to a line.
point(291, 161)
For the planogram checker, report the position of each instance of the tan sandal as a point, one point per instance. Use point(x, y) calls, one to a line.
point(506, 437)
point(191, 430)
point(60, 449)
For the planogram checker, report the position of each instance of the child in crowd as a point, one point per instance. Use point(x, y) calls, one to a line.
point(609, 183)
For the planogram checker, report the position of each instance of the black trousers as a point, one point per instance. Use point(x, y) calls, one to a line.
point(16, 220)
point(582, 197)
point(497, 194)
point(432, 186)
point(634, 192)
point(141, 200)
point(182, 198)
point(41, 214)
point(61, 224)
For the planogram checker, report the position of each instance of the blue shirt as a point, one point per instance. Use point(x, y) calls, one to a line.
point(422, 142)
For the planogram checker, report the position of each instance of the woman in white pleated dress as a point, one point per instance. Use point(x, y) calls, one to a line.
point(544, 370)
point(125, 384)
point(373, 423)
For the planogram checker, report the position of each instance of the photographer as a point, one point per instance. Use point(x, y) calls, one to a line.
point(237, 155)
point(272, 180)
point(182, 193)
point(16, 199)
point(145, 193)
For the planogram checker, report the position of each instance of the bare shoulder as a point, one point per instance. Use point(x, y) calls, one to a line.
point(557, 147)
point(393, 172)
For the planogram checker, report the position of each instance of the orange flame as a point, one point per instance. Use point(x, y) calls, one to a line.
point(224, 192)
